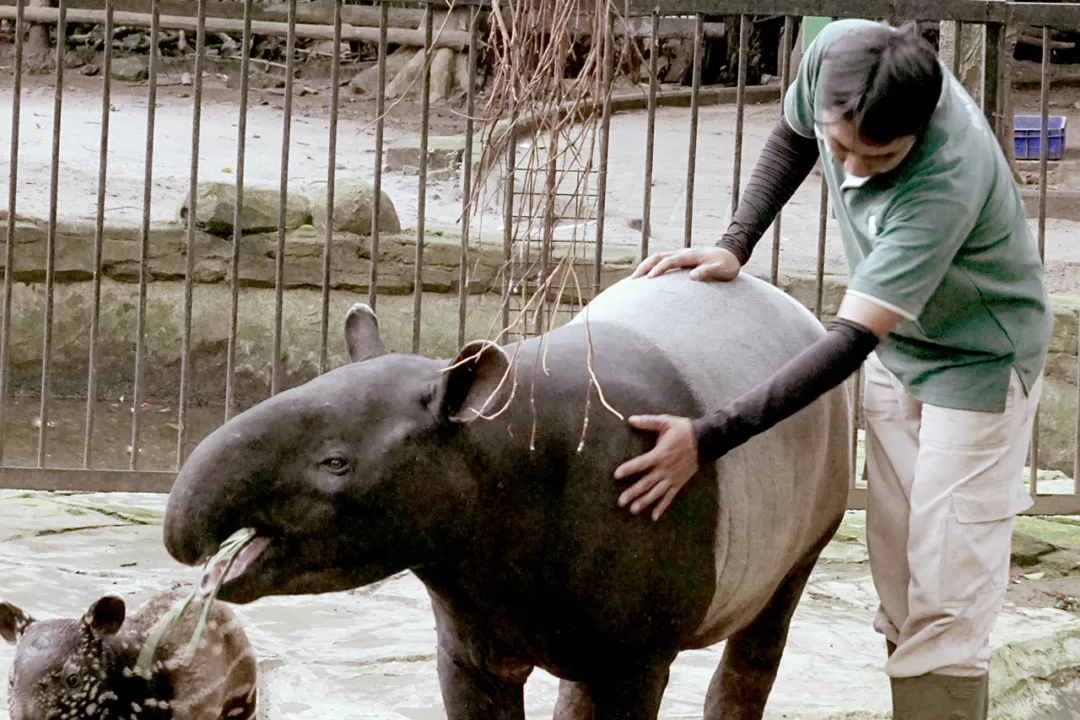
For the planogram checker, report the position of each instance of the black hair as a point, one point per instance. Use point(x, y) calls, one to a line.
point(886, 80)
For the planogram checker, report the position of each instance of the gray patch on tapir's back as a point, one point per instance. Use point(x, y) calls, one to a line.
point(712, 332)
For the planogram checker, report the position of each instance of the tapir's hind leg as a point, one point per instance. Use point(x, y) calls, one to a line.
point(633, 694)
point(741, 685)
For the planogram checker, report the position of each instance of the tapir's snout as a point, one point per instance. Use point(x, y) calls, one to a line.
point(207, 500)
point(184, 542)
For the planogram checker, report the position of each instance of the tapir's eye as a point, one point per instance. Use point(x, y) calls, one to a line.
point(336, 465)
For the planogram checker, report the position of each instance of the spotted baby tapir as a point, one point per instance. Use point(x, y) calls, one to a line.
point(69, 669)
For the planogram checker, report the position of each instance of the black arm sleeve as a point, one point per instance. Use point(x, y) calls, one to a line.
point(806, 377)
point(785, 161)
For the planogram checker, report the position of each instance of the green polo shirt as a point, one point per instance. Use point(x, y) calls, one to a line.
point(942, 241)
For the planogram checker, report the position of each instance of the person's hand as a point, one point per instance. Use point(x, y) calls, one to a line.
point(708, 263)
point(665, 469)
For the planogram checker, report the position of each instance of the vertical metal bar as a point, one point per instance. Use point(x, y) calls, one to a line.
point(331, 167)
point(286, 142)
point(234, 271)
point(785, 78)
point(1044, 150)
point(740, 108)
point(189, 272)
point(823, 222)
point(144, 249)
point(958, 47)
point(50, 242)
point(650, 135)
point(992, 74)
point(13, 184)
point(508, 222)
point(856, 403)
point(466, 186)
point(1076, 440)
point(376, 195)
point(99, 232)
point(558, 70)
point(605, 138)
point(1044, 138)
point(691, 158)
point(421, 192)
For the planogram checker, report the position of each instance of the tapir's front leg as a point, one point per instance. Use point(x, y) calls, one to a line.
point(477, 683)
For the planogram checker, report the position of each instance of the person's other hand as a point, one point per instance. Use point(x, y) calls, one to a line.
point(665, 469)
point(708, 263)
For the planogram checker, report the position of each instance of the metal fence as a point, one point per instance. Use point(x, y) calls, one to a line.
point(995, 16)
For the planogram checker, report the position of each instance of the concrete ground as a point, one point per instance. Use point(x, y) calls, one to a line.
point(370, 653)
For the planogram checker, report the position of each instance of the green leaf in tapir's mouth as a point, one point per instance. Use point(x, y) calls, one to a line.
point(234, 557)
point(231, 561)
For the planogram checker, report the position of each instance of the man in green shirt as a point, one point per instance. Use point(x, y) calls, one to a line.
point(947, 306)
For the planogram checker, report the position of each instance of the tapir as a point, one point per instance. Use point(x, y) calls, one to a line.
point(491, 478)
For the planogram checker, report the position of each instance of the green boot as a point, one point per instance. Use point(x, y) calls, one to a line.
point(940, 697)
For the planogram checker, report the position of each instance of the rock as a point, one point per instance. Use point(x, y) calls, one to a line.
point(444, 156)
point(407, 80)
point(89, 70)
point(216, 205)
point(1028, 550)
point(366, 81)
point(78, 58)
point(129, 69)
point(352, 209)
point(462, 72)
point(442, 74)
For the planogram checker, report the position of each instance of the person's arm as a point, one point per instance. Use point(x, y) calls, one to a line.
point(785, 162)
point(806, 377)
point(684, 445)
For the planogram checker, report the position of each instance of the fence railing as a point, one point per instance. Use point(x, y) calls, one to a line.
point(521, 191)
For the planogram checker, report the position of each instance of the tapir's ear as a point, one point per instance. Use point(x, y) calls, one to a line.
point(13, 622)
point(362, 333)
point(105, 616)
point(479, 381)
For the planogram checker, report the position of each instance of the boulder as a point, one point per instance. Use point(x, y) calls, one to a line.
point(130, 69)
point(216, 206)
point(367, 81)
point(442, 74)
point(352, 209)
point(407, 80)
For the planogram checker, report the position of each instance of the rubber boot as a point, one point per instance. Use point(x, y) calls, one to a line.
point(940, 697)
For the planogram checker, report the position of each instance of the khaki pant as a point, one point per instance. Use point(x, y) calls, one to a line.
point(943, 488)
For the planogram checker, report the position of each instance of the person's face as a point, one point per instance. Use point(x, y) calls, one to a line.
point(860, 157)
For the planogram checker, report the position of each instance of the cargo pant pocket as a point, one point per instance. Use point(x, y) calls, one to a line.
point(978, 540)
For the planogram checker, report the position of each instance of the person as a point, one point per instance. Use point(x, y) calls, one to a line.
point(947, 307)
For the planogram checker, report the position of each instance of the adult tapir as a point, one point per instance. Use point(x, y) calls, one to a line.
point(473, 474)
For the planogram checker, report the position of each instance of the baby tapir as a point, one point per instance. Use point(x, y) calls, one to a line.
point(82, 669)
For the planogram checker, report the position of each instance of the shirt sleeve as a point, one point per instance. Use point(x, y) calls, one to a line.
point(915, 246)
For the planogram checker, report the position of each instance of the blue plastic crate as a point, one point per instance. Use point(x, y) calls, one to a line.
point(1027, 131)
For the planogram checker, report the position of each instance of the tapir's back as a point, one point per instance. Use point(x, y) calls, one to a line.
point(781, 491)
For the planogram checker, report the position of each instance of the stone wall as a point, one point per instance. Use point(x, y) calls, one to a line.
point(211, 306)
